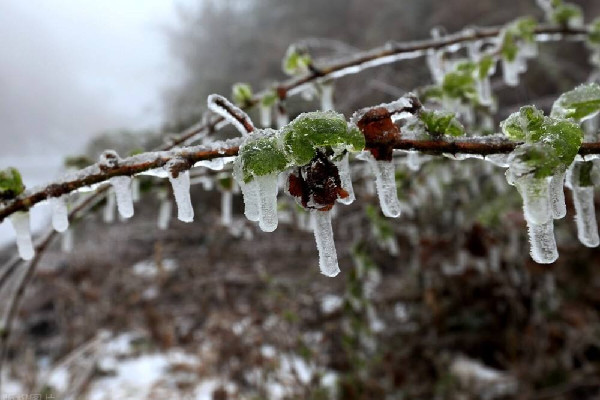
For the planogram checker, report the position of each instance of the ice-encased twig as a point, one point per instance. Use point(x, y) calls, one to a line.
point(20, 223)
point(557, 195)
point(122, 187)
point(181, 191)
point(328, 262)
point(267, 194)
point(343, 167)
point(542, 242)
point(60, 214)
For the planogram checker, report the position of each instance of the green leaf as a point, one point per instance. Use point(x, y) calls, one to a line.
point(269, 98)
point(567, 14)
point(594, 35)
point(312, 130)
point(11, 183)
point(296, 61)
point(524, 125)
point(460, 84)
point(262, 155)
point(78, 162)
point(485, 66)
point(241, 93)
point(440, 123)
point(581, 103)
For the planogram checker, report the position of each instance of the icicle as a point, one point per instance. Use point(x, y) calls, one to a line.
point(265, 116)
point(109, 208)
point(164, 212)
point(122, 187)
point(536, 200)
point(181, 191)
point(66, 244)
point(60, 214)
point(343, 167)
point(385, 181)
point(135, 190)
point(510, 71)
point(327, 97)
point(328, 262)
point(541, 239)
point(557, 195)
point(226, 207)
point(251, 197)
point(585, 217)
point(267, 193)
point(484, 91)
point(413, 161)
point(20, 223)
point(282, 118)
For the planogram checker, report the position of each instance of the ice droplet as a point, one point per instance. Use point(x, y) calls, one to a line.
point(557, 195)
point(20, 223)
point(328, 262)
point(226, 207)
point(536, 200)
point(164, 213)
point(267, 193)
point(60, 214)
point(343, 167)
point(542, 243)
point(282, 118)
point(181, 191)
point(385, 181)
point(251, 197)
point(585, 215)
point(109, 208)
point(122, 187)
point(66, 244)
point(327, 97)
point(265, 116)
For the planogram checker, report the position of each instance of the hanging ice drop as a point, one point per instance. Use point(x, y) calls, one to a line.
point(328, 262)
point(20, 223)
point(267, 194)
point(122, 187)
point(542, 242)
point(585, 215)
point(109, 208)
point(536, 200)
point(60, 214)
point(265, 116)
point(385, 180)
point(343, 167)
point(327, 97)
point(181, 191)
point(557, 195)
point(226, 207)
point(251, 197)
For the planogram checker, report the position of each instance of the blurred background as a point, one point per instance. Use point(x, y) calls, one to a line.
point(442, 303)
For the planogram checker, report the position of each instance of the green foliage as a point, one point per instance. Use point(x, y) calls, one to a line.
point(485, 66)
point(296, 61)
point(565, 14)
point(440, 123)
point(11, 183)
point(594, 35)
point(262, 155)
point(269, 98)
point(579, 104)
point(241, 93)
point(520, 30)
point(318, 129)
point(460, 84)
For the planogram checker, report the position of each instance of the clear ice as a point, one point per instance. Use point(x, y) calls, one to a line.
point(60, 214)
point(542, 242)
point(20, 223)
point(343, 167)
point(267, 200)
point(181, 191)
point(226, 207)
point(122, 188)
point(385, 181)
point(328, 262)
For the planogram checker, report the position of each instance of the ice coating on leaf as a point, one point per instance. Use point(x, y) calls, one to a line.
point(385, 181)
point(316, 129)
point(327, 97)
point(580, 104)
point(343, 167)
point(328, 263)
point(265, 115)
point(214, 101)
point(542, 242)
point(20, 223)
point(110, 207)
point(60, 214)
point(181, 191)
point(557, 195)
point(122, 188)
point(226, 207)
point(440, 123)
point(267, 200)
point(260, 155)
point(580, 181)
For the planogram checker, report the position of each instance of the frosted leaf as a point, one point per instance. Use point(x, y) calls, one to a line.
point(226, 207)
point(109, 208)
point(60, 214)
point(542, 242)
point(181, 191)
point(122, 188)
point(536, 199)
point(557, 195)
point(66, 244)
point(343, 167)
point(327, 97)
point(213, 104)
point(251, 197)
point(385, 181)
point(328, 263)
point(267, 193)
point(265, 116)
point(164, 213)
point(135, 190)
point(20, 223)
